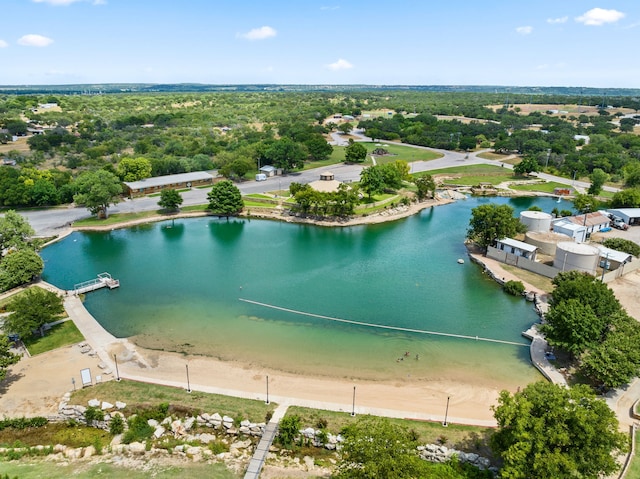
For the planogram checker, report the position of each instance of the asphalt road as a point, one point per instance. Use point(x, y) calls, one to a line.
point(52, 221)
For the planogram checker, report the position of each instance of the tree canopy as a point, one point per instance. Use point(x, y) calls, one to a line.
point(491, 222)
point(225, 199)
point(355, 152)
point(134, 169)
point(19, 267)
point(15, 231)
point(31, 310)
point(7, 358)
point(97, 190)
point(286, 154)
point(426, 187)
point(587, 320)
point(548, 431)
point(170, 199)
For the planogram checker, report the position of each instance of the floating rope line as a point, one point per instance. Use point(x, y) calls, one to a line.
point(382, 326)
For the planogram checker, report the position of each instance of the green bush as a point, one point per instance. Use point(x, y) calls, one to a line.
point(624, 245)
point(218, 447)
point(116, 426)
point(515, 288)
point(23, 422)
point(139, 430)
point(93, 414)
point(289, 429)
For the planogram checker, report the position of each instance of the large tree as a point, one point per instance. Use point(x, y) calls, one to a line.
point(372, 181)
point(598, 178)
point(170, 199)
point(97, 190)
point(225, 199)
point(286, 154)
point(31, 310)
point(491, 222)
point(355, 152)
point(19, 267)
point(15, 231)
point(426, 187)
point(134, 169)
point(548, 431)
point(526, 166)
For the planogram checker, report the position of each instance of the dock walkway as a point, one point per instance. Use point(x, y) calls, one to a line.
point(104, 280)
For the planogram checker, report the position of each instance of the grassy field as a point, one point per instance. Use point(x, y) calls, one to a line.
point(60, 335)
point(115, 219)
point(634, 469)
point(142, 394)
point(546, 187)
point(475, 174)
point(397, 152)
point(488, 155)
point(38, 469)
point(534, 279)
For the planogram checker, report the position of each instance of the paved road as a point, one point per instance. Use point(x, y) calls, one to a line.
point(53, 221)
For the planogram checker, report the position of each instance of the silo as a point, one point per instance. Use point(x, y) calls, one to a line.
point(576, 256)
point(545, 241)
point(536, 220)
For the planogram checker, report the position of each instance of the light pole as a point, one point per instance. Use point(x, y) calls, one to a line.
point(353, 405)
point(546, 164)
point(188, 383)
point(446, 413)
point(115, 359)
point(267, 390)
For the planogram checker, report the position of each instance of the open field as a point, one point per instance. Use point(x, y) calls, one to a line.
point(60, 335)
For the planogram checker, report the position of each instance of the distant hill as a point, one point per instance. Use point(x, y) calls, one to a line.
point(110, 88)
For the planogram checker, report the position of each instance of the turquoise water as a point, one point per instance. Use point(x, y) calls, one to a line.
point(181, 283)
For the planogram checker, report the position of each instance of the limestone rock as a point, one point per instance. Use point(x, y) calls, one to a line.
point(120, 405)
point(137, 448)
point(94, 403)
point(106, 405)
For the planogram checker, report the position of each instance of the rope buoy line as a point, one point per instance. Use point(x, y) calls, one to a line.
point(382, 326)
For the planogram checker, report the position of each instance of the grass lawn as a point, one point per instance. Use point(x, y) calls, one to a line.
point(467, 438)
point(546, 187)
point(114, 219)
point(60, 335)
point(397, 152)
point(634, 469)
point(475, 174)
point(488, 155)
point(137, 393)
point(259, 204)
point(36, 469)
point(534, 279)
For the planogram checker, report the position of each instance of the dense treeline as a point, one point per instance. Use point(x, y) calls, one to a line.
point(237, 132)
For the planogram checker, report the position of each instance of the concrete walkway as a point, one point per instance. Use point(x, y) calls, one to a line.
point(538, 348)
point(260, 454)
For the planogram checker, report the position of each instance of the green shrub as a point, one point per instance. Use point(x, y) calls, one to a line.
point(139, 430)
point(218, 447)
point(288, 430)
point(23, 422)
point(93, 414)
point(515, 288)
point(624, 245)
point(116, 426)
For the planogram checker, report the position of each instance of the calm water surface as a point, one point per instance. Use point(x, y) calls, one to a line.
point(181, 283)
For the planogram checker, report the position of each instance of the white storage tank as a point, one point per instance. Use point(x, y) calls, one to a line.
point(545, 241)
point(576, 256)
point(536, 220)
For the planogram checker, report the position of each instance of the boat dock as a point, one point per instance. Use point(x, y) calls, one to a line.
point(104, 280)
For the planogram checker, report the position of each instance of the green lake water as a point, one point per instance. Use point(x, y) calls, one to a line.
point(181, 284)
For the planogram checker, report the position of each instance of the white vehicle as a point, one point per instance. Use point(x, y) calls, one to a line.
point(261, 177)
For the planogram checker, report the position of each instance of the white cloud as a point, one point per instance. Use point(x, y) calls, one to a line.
point(524, 30)
point(3, 44)
point(557, 20)
point(341, 64)
point(33, 40)
point(600, 16)
point(261, 33)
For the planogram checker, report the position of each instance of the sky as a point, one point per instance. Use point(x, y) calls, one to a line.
point(579, 43)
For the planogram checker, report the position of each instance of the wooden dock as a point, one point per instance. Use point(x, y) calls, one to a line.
point(104, 280)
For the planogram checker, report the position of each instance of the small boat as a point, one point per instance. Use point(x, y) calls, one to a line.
point(460, 261)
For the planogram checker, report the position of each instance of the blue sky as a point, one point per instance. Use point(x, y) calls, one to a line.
point(375, 42)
